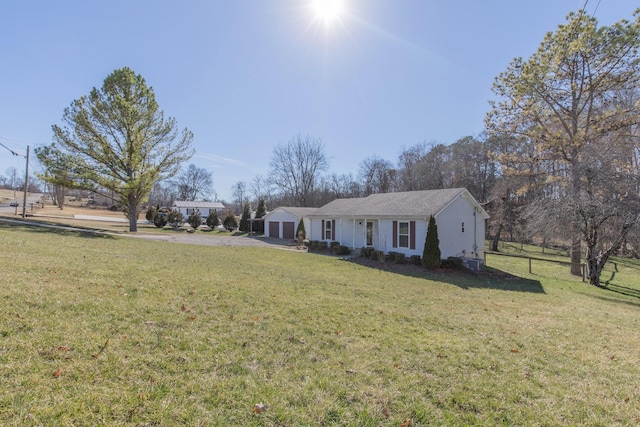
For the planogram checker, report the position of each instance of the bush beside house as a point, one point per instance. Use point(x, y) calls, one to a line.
point(431, 254)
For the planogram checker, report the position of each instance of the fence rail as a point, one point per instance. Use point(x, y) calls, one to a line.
point(530, 259)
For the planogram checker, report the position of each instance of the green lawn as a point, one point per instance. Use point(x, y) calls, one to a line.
point(121, 331)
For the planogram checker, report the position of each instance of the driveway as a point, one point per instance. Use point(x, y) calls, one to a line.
point(199, 238)
point(204, 238)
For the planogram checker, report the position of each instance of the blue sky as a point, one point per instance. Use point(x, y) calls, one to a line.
point(245, 75)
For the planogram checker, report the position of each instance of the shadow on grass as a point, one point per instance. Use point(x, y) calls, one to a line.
point(490, 278)
point(53, 228)
point(622, 290)
point(618, 298)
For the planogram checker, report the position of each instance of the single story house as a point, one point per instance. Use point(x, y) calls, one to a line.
point(205, 208)
point(397, 222)
point(282, 222)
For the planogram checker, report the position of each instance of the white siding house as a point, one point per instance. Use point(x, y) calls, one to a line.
point(205, 208)
point(282, 222)
point(398, 222)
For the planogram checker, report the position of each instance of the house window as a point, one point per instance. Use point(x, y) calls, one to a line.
point(328, 230)
point(403, 234)
point(463, 227)
point(190, 211)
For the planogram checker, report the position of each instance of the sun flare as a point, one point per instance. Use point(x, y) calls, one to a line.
point(328, 11)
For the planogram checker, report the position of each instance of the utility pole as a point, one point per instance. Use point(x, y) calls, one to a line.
point(13, 183)
point(26, 186)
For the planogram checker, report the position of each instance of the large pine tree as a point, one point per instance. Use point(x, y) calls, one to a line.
point(116, 141)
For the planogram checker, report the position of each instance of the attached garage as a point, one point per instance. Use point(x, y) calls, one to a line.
point(282, 223)
point(288, 230)
point(274, 229)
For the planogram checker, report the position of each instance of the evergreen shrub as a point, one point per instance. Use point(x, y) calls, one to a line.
point(431, 253)
point(195, 220)
point(151, 213)
point(341, 250)
point(301, 234)
point(454, 263)
point(399, 258)
point(230, 222)
point(212, 220)
point(175, 219)
point(246, 216)
point(366, 252)
point(160, 220)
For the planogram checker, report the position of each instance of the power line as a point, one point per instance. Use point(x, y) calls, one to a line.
point(584, 7)
point(12, 152)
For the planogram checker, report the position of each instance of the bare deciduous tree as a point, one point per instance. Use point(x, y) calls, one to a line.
point(575, 100)
point(193, 183)
point(296, 167)
point(239, 194)
point(377, 176)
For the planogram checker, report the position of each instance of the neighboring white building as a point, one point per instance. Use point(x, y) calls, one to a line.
point(397, 222)
point(282, 222)
point(205, 208)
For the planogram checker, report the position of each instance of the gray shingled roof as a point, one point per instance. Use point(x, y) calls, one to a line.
point(402, 204)
point(299, 212)
point(198, 204)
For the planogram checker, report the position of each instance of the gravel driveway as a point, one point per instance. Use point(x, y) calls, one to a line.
point(201, 238)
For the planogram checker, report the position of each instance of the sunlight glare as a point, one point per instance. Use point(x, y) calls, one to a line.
point(328, 10)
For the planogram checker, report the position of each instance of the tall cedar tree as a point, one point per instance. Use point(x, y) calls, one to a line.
point(116, 141)
point(261, 211)
point(301, 234)
point(431, 254)
point(244, 219)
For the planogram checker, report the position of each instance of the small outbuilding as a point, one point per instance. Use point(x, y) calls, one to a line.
point(186, 208)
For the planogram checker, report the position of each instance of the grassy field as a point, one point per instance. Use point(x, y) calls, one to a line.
point(103, 330)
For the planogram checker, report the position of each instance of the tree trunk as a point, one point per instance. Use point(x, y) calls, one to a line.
point(576, 269)
point(496, 239)
point(60, 193)
point(576, 231)
point(133, 215)
point(594, 265)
